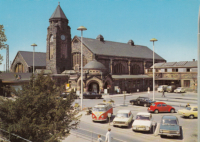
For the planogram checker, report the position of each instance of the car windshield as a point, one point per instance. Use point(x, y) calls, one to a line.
point(179, 88)
point(169, 122)
point(142, 117)
point(98, 109)
point(160, 86)
point(188, 108)
point(122, 115)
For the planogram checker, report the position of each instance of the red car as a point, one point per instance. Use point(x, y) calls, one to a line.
point(160, 107)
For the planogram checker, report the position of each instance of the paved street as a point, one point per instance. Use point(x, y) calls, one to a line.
point(88, 130)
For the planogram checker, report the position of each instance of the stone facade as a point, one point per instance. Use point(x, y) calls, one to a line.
point(58, 55)
point(19, 60)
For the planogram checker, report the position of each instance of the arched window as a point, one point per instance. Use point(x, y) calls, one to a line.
point(51, 47)
point(119, 69)
point(77, 59)
point(135, 69)
point(19, 68)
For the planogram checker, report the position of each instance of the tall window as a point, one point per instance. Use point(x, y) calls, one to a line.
point(188, 69)
point(119, 69)
point(186, 83)
point(135, 69)
point(77, 59)
point(63, 51)
point(174, 70)
point(51, 48)
point(19, 68)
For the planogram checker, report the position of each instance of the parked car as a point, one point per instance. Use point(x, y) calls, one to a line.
point(179, 90)
point(191, 112)
point(143, 122)
point(161, 107)
point(169, 126)
point(145, 101)
point(100, 111)
point(162, 88)
point(92, 95)
point(123, 118)
point(170, 88)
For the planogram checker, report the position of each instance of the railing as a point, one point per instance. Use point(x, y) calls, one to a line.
point(90, 135)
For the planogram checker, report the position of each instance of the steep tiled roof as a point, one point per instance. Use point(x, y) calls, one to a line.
point(39, 58)
point(58, 13)
point(181, 64)
point(111, 48)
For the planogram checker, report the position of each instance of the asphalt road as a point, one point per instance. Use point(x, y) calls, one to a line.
point(91, 129)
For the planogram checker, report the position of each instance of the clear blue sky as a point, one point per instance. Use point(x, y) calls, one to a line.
point(173, 22)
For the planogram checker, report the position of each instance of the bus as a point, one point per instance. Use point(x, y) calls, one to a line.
point(100, 112)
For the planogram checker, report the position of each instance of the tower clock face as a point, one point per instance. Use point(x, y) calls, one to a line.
point(63, 37)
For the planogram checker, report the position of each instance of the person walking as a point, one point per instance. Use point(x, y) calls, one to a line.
point(163, 93)
point(187, 105)
point(99, 139)
point(108, 136)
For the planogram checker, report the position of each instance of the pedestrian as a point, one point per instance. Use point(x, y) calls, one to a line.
point(99, 139)
point(163, 95)
point(187, 105)
point(108, 136)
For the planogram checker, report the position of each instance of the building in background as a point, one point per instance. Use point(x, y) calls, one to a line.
point(180, 74)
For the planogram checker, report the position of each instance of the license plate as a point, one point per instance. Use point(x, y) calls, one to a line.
point(141, 128)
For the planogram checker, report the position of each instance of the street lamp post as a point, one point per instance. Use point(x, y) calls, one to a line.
point(153, 40)
point(33, 55)
point(81, 28)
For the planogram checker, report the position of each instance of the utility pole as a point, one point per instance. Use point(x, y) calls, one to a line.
point(7, 58)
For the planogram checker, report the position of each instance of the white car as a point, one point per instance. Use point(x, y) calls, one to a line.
point(143, 122)
point(123, 118)
point(179, 90)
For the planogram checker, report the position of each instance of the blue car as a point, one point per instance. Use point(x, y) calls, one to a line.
point(169, 126)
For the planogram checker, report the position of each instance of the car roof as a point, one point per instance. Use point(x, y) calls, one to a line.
point(169, 117)
point(123, 111)
point(102, 105)
point(159, 103)
point(143, 113)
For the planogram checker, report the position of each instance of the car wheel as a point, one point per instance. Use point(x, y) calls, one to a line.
point(132, 103)
point(191, 116)
point(156, 111)
point(172, 110)
point(162, 136)
point(145, 105)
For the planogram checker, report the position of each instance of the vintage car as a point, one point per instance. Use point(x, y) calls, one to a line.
point(123, 118)
point(169, 126)
point(101, 110)
point(191, 112)
point(160, 107)
point(145, 101)
point(142, 122)
point(162, 88)
point(91, 95)
point(179, 90)
point(170, 88)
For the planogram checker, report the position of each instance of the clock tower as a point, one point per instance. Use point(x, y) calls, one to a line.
point(58, 55)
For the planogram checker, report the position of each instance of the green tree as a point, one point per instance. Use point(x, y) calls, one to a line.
point(2, 40)
point(39, 114)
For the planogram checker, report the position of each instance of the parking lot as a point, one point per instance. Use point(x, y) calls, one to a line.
point(89, 129)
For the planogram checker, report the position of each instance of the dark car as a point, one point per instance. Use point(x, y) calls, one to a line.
point(91, 95)
point(145, 101)
point(169, 126)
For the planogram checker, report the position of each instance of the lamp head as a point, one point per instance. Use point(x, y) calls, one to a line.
point(82, 28)
point(33, 44)
point(153, 39)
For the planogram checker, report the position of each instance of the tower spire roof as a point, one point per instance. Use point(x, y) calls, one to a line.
point(58, 13)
